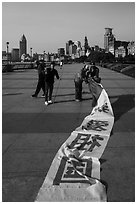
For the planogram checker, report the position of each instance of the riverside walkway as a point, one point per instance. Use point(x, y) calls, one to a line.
point(33, 132)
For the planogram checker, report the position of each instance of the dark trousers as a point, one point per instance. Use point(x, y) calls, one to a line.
point(40, 85)
point(48, 91)
point(78, 90)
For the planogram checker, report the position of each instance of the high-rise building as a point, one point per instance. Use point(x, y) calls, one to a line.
point(68, 44)
point(78, 48)
point(22, 46)
point(67, 48)
point(78, 44)
point(82, 51)
point(109, 40)
point(73, 48)
point(86, 44)
point(15, 54)
point(61, 51)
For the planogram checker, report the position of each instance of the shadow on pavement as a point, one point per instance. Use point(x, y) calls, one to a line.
point(102, 181)
point(71, 94)
point(123, 105)
point(11, 94)
point(72, 100)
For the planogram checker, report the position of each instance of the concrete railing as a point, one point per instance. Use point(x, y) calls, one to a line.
point(17, 66)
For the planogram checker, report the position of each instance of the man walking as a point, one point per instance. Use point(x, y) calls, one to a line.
point(78, 86)
point(50, 73)
point(41, 82)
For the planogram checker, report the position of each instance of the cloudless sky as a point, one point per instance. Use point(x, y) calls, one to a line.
point(49, 25)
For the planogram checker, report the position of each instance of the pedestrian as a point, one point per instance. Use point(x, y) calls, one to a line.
point(78, 86)
point(94, 73)
point(50, 74)
point(90, 74)
point(61, 64)
point(41, 79)
point(84, 70)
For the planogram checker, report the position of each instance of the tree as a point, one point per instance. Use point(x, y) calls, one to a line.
point(100, 56)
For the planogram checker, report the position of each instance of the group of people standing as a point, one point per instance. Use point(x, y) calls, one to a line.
point(90, 74)
point(46, 75)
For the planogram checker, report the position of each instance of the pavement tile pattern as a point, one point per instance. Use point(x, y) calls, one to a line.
point(33, 132)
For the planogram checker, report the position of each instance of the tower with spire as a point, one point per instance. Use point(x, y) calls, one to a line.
point(109, 40)
point(22, 46)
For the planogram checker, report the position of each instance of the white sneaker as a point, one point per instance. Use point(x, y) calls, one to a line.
point(50, 101)
point(46, 103)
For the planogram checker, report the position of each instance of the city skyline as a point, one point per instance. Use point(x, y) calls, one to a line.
point(48, 26)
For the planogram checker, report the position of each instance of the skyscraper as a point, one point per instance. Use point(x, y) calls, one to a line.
point(68, 44)
point(78, 45)
point(22, 46)
point(109, 40)
point(15, 54)
point(86, 45)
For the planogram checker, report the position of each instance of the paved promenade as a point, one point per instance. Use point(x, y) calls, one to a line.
point(33, 132)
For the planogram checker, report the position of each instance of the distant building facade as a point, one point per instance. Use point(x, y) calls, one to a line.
point(68, 44)
point(109, 41)
point(22, 46)
point(73, 49)
point(120, 52)
point(121, 48)
point(82, 52)
point(6, 56)
point(78, 48)
point(131, 48)
point(61, 51)
point(15, 54)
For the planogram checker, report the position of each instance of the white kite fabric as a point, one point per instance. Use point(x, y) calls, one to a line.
point(74, 174)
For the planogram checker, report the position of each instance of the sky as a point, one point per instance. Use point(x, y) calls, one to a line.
point(47, 26)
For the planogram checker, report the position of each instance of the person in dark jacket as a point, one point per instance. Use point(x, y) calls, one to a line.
point(50, 74)
point(93, 72)
point(41, 82)
point(90, 74)
point(78, 86)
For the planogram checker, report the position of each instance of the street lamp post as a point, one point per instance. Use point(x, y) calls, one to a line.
point(44, 55)
point(7, 43)
point(31, 57)
point(31, 52)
